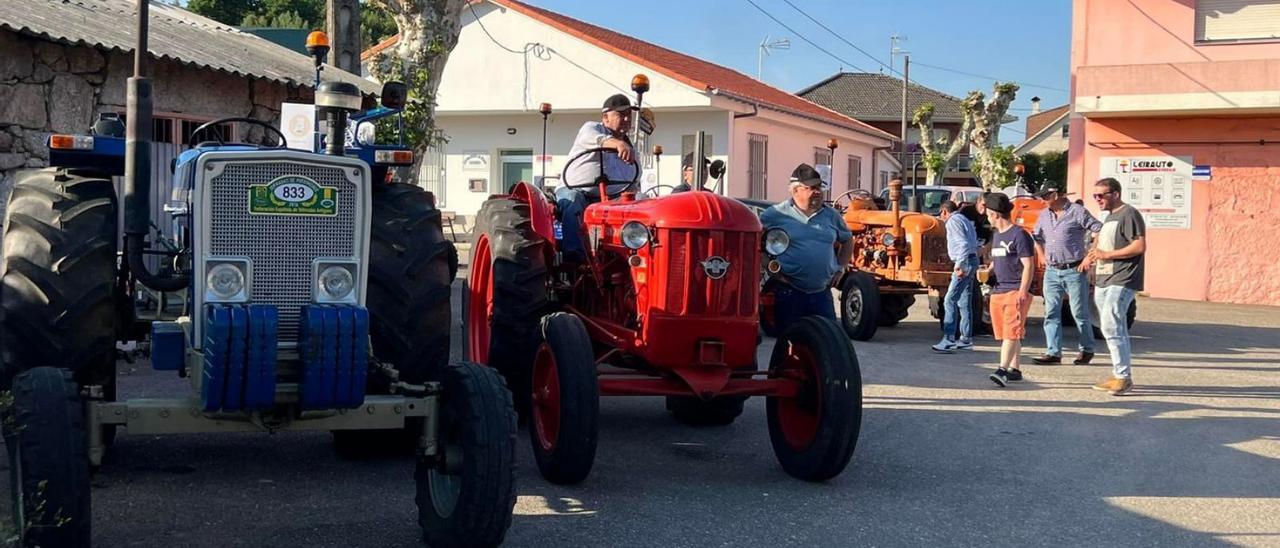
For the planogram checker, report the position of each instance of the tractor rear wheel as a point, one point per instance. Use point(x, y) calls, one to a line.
point(694, 411)
point(565, 414)
point(860, 306)
point(467, 494)
point(814, 433)
point(895, 308)
point(45, 434)
point(506, 294)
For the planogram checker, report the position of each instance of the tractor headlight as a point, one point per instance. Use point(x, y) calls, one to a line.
point(776, 241)
point(225, 281)
point(336, 283)
point(635, 235)
point(888, 240)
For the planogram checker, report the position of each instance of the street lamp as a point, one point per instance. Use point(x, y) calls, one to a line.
point(657, 164)
point(765, 47)
point(832, 144)
point(545, 109)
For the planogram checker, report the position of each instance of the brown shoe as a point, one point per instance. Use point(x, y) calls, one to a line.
point(1084, 358)
point(1046, 359)
point(1114, 386)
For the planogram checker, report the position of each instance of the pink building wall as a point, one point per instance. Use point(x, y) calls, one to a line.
point(1145, 52)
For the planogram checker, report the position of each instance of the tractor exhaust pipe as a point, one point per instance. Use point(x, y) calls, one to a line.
point(137, 165)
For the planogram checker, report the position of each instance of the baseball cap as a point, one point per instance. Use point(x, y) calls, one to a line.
point(806, 175)
point(1050, 187)
point(998, 202)
point(616, 102)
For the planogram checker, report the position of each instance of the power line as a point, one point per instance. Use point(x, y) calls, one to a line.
point(1024, 84)
point(802, 37)
point(841, 38)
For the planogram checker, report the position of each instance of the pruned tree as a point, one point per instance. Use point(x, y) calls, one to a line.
point(428, 33)
point(995, 163)
point(938, 152)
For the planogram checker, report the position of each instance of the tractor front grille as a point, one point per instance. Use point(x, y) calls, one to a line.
point(282, 247)
point(690, 291)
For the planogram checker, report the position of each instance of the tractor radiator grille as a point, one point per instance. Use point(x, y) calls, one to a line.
point(690, 291)
point(281, 247)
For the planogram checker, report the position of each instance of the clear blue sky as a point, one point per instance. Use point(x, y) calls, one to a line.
point(1027, 41)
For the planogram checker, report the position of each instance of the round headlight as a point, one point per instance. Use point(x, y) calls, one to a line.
point(225, 281)
point(634, 235)
point(336, 283)
point(888, 240)
point(776, 241)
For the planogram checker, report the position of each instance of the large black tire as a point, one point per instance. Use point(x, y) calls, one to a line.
point(860, 306)
point(564, 425)
point(814, 434)
point(411, 266)
point(57, 294)
point(519, 278)
point(48, 459)
point(721, 411)
point(466, 498)
point(894, 308)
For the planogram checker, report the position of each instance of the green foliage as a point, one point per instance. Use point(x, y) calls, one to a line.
point(1041, 168)
point(923, 112)
point(287, 20)
point(934, 161)
point(419, 127)
point(999, 167)
point(230, 12)
point(376, 24)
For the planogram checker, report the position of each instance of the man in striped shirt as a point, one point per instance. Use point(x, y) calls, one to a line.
point(1060, 237)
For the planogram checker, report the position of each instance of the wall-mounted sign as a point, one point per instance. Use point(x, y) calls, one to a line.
point(475, 160)
point(1158, 186)
point(298, 122)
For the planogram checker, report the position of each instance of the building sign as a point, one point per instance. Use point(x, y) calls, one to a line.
point(1159, 186)
point(298, 123)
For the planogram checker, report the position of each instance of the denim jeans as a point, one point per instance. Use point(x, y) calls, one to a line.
point(572, 203)
point(1113, 307)
point(790, 304)
point(959, 300)
point(1075, 284)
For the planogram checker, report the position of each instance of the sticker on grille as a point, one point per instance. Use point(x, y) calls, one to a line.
point(281, 247)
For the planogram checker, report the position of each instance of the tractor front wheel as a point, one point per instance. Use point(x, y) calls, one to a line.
point(860, 306)
point(467, 494)
point(814, 433)
point(44, 432)
point(566, 401)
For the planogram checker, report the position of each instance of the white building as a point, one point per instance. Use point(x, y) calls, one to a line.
point(511, 57)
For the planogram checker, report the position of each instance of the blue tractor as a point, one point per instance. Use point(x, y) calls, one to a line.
point(315, 296)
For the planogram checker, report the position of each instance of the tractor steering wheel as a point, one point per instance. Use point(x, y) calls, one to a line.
point(653, 191)
point(192, 142)
point(850, 196)
point(564, 175)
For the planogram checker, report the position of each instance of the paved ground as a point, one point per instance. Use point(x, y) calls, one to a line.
point(1190, 458)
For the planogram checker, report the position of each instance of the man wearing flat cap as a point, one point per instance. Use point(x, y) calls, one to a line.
point(811, 264)
point(687, 179)
point(1012, 265)
point(1060, 235)
point(610, 132)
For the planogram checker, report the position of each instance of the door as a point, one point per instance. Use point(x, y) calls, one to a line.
point(517, 166)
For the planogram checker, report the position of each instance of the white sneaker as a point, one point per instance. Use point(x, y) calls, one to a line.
point(964, 345)
point(945, 346)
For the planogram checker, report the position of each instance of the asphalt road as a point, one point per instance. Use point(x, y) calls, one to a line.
point(1191, 458)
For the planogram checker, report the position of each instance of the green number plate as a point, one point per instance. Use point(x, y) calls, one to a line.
point(293, 195)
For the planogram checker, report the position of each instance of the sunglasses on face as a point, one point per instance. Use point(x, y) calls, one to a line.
point(1103, 195)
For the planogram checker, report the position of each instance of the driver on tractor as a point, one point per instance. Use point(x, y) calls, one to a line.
point(811, 264)
point(609, 132)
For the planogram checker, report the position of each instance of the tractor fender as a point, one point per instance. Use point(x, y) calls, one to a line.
point(541, 213)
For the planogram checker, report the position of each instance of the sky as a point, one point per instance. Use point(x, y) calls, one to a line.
point(1025, 41)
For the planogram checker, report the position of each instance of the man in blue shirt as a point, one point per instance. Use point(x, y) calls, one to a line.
point(1060, 235)
point(962, 248)
point(811, 264)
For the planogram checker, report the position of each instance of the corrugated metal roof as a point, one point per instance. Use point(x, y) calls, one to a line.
point(175, 34)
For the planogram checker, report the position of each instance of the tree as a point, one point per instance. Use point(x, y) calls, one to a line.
point(376, 25)
point(428, 33)
point(230, 12)
point(1042, 168)
point(287, 20)
point(939, 152)
point(995, 163)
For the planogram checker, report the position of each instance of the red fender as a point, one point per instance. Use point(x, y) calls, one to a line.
point(541, 213)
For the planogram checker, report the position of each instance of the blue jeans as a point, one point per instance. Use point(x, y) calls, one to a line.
point(1075, 284)
point(790, 304)
point(571, 202)
point(1113, 307)
point(959, 299)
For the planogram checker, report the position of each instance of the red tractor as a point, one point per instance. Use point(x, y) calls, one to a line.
point(664, 304)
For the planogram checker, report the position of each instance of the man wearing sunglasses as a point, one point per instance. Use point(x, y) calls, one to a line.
point(1118, 252)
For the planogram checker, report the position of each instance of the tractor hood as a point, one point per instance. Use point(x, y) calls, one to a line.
point(862, 219)
point(686, 210)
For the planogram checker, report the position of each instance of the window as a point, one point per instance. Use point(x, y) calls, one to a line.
point(178, 129)
point(478, 185)
point(884, 181)
point(1237, 20)
point(822, 157)
point(1066, 130)
point(855, 172)
point(687, 142)
point(757, 166)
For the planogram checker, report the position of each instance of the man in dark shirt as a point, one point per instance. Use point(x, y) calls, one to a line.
point(1012, 264)
point(1118, 253)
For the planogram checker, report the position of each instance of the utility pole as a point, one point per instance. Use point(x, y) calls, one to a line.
point(906, 77)
point(343, 22)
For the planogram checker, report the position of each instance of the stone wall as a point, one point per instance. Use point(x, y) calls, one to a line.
point(47, 87)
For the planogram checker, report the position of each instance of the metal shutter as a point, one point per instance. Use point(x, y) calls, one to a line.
point(1235, 20)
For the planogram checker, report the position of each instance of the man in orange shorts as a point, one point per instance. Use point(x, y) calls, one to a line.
point(1012, 253)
